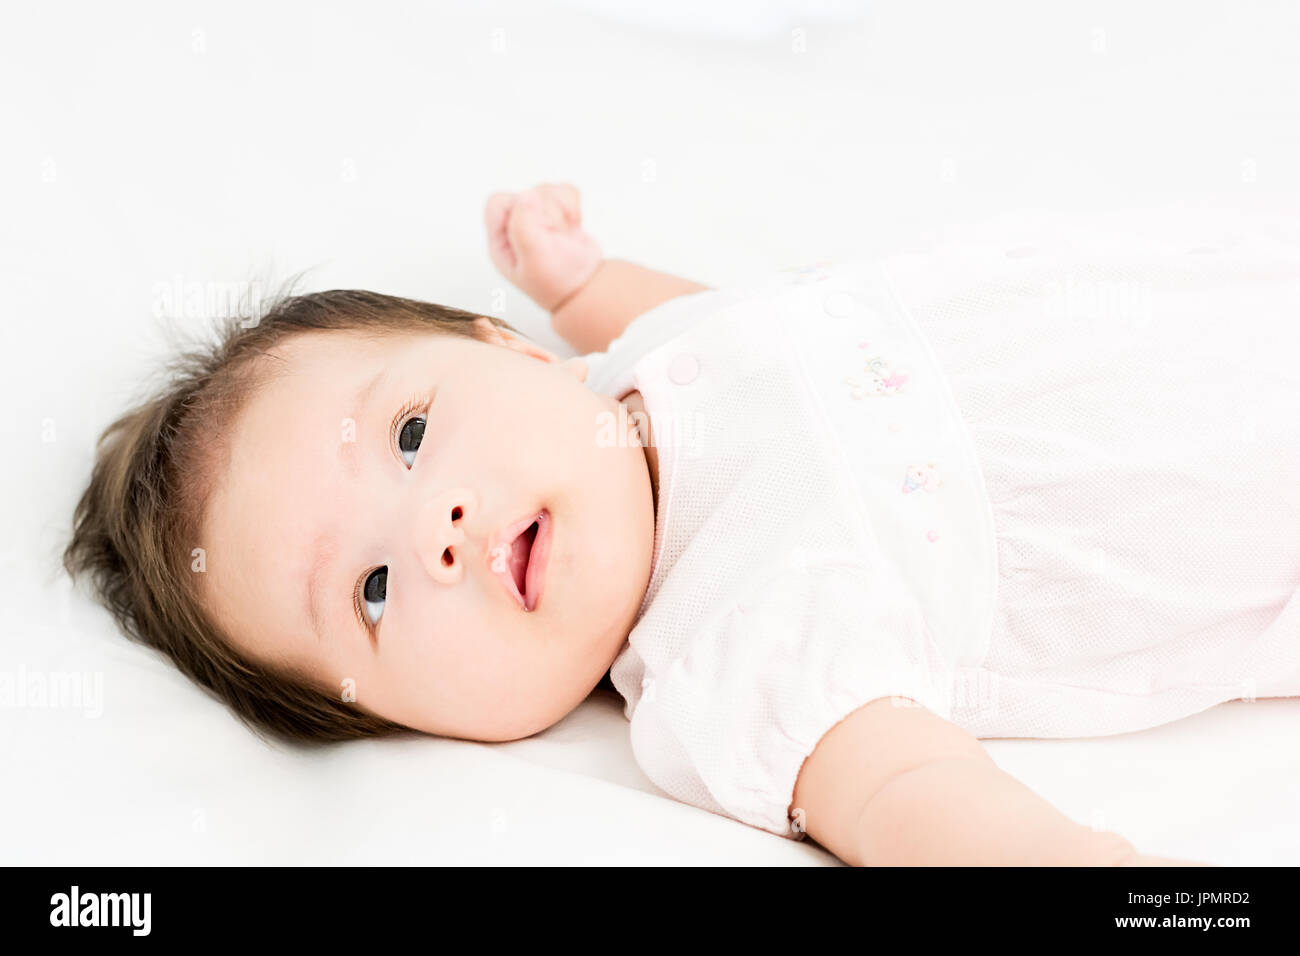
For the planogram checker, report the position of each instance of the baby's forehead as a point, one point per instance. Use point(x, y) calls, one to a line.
point(321, 353)
point(316, 346)
point(278, 448)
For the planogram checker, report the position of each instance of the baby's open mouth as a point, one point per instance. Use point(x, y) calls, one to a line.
point(521, 550)
point(520, 562)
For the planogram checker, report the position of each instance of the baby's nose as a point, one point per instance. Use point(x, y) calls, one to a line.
point(440, 533)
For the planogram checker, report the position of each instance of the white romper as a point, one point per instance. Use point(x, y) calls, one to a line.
point(1042, 478)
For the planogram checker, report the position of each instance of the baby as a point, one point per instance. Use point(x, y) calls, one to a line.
point(822, 532)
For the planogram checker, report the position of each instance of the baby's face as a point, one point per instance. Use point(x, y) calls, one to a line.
point(326, 467)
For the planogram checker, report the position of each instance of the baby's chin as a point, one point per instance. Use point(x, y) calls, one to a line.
point(609, 540)
point(614, 572)
point(537, 717)
point(608, 586)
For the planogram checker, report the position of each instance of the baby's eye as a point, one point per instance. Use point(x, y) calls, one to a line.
point(374, 591)
point(411, 433)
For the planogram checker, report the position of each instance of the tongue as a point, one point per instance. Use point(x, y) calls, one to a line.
point(522, 547)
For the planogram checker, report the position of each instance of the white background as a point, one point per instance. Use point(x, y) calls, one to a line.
point(148, 147)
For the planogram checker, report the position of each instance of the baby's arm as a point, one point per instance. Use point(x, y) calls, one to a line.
point(536, 240)
point(616, 294)
point(893, 784)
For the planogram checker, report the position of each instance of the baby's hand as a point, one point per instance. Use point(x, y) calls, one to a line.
point(536, 240)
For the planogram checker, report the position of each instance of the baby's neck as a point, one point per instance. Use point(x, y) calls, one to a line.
point(645, 429)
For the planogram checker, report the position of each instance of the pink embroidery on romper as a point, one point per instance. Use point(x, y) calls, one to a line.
point(813, 272)
point(876, 378)
point(925, 477)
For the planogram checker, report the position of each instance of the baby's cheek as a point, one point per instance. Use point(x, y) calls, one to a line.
point(465, 642)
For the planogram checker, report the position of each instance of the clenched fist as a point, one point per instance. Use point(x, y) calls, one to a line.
point(536, 240)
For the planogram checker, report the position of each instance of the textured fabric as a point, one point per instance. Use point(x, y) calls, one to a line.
point(1132, 385)
point(804, 564)
point(1041, 478)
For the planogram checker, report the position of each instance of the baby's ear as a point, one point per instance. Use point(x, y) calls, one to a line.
point(494, 335)
point(576, 366)
point(488, 331)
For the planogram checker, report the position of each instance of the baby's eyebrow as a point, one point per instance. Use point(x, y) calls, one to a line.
point(361, 400)
point(349, 459)
point(324, 547)
point(322, 550)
